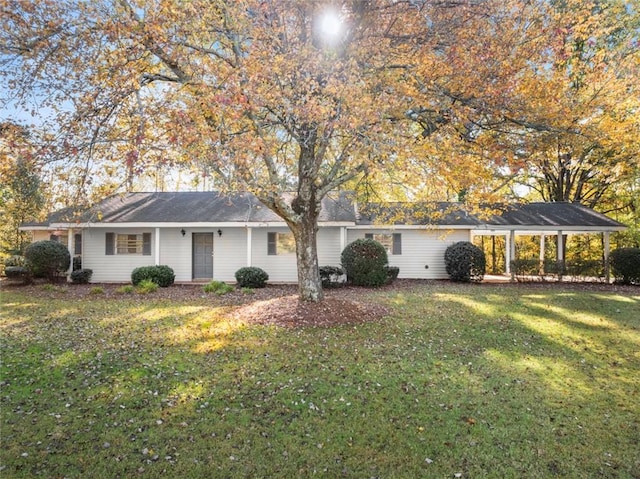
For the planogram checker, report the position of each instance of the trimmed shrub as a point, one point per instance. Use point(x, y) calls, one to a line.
point(161, 275)
point(364, 262)
point(18, 273)
point(392, 273)
point(625, 264)
point(81, 276)
point(331, 276)
point(251, 277)
point(15, 260)
point(591, 268)
point(47, 259)
point(526, 269)
point(465, 262)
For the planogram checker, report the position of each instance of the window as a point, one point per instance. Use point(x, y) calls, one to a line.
point(62, 239)
point(77, 243)
point(391, 242)
point(117, 243)
point(280, 243)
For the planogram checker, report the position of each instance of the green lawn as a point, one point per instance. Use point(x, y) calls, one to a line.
point(459, 381)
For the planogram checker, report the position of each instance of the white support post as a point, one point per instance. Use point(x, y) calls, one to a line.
point(343, 238)
point(541, 257)
point(512, 252)
point(607, 246)
point(560, 256)
point(157, 247)
point(70, 248)
point(249, 239)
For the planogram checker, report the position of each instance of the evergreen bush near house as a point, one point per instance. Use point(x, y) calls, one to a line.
point(81, 276)
point(525, 269)
point(392, 273)
point(465, 262)
point(364, 261)
point(331, 276)
point(161, 275)
point(625, 264)
point(251, 277)
point(15, 260)
point(77, 263)
point(18, 273)
point(47, 259)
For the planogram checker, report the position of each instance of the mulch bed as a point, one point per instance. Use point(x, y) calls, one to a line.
point(279, 305)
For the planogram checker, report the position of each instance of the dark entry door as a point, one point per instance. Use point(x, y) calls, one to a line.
point(202, 255)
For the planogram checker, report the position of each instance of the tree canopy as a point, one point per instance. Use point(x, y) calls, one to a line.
point(290, 99)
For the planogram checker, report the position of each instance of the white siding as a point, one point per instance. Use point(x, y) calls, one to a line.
point(40, 235)
point(112, 268)
point(175, 252)
point(329, 247)
point(420, 248)
point(229, 252)
point(283, 267)
point(280, 267)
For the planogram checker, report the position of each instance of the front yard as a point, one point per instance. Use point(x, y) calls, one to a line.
point(537, 380)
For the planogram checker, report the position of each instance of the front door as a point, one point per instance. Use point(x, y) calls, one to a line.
point(203, 256)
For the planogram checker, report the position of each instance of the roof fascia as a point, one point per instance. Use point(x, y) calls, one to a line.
point(218, 224)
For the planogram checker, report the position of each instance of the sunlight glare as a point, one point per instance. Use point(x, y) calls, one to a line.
point(330, 24)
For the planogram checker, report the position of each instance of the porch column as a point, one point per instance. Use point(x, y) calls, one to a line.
point(512, 252)
point(343, 238)
point(70, 248)
point(541, 257)
point(607, 246)
point(249, 238)
point(560, 257)
point(157, 247)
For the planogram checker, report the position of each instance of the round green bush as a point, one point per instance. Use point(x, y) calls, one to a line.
point(465, 262)
point(161, 275)
point(81, 276)
point(19, 273)
point(392, 273)
point(364, 261)
point(625, 264)
point(47, 259)
point(251, 277)
point(331, 276)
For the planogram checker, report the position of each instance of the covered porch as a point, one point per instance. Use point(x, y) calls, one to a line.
point(550, 226)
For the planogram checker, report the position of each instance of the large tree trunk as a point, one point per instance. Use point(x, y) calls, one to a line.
point(309, 283)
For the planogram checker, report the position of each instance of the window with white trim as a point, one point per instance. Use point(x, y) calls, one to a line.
point(131, 243)
point(391, 242)
point(280, 243)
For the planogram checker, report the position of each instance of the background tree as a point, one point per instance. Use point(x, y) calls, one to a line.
point(286, 99)
point(21, 195)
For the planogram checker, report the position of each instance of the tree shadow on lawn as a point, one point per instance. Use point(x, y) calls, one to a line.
point(472, 383)
point(572, 357)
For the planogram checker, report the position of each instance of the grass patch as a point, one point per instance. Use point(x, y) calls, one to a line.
point(146, 286)
point(218, 287)
point(126, 289)
point(478, 381)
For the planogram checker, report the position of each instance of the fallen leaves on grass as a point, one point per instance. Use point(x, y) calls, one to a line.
point(289, 311)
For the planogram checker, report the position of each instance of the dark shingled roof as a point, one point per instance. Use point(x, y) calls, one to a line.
point(193, 207)
point(537, 215)
point(214, 207)
point(557, 214)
